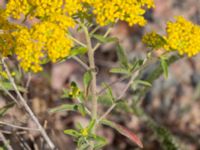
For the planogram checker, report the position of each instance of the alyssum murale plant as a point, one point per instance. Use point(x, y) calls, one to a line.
point(55, 18)
point(49, 37)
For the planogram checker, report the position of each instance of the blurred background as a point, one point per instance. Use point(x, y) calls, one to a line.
point(172, 103)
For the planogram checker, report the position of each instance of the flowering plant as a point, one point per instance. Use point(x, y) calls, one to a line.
point(48, 38)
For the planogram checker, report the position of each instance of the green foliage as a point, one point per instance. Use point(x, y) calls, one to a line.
point(164, 65)
point(86, 17)
point(84, 137)
point(120, 71)
point(72, 132)
point(166, 139)
point(107, 98)
point(65, 107)
point(78, 50)
point(72, 92)
point(87, 78)
point(123, 60)
point(104, 39)
point(8, 86)
point(5, 108)
point(70, 107)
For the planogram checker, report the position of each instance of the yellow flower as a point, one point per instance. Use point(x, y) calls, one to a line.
point(183, 36)
point(44, 8)
point(71, 7)
point(84, 132)
point(63, 21)
point(45, 39)
point(3, 74)
point(16, 8)
point(105, 11)
point(131, 11)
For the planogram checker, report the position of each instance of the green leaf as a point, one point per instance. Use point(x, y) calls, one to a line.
point(103, 39)
point(167, 140)
point(123, 105)
point(105, 100)
point(5, 108)
point(100, 142)
point(91, 125)
point(79, 50)
point(108, 98)
point(65, 93)
point(122, 56)
point(65, 107)
point(72, 132)
point(84, 146)
point(109, 92)
point(119, 70)
point(135, 64)
point(164, 65)
point(81, 109)
point(87, 77)
point(142, 82)
point(82, 141)
point(8, 86)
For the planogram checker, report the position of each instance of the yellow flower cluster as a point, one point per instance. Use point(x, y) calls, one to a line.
point(43, 40)
point(183, 36)
point(131, 11)
point(106, 12)
point(47, 38)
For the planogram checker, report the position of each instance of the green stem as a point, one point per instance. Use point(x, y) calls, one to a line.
point(92, 68)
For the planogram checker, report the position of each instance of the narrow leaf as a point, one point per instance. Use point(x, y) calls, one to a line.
point(165, 137)
point(146, 83)
point(122, 56)
point(164, 65)
point(81, 109)
point(119, 70)
point(103, 39)
point(64, 107)
point(87, 79)
point(100, 142)
point(91, 125)
point(79, 50)
point(124, 131)
point(72, 132)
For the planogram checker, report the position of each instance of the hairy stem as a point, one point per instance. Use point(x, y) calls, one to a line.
point(93, 71)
